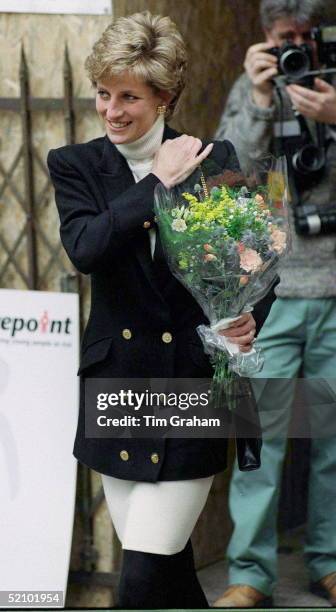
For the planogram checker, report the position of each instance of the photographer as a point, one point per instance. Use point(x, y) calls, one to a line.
point(264, 115)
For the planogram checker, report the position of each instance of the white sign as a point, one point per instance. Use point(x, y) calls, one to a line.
point(60, 7)
point(38, 414)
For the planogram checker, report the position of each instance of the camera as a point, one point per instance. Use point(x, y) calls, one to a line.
point(309, 158)
point(306, 155)
point(325, 38)
point(293, 60)
point(311, 220)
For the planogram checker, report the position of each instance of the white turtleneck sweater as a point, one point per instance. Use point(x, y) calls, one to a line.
point(140, 157)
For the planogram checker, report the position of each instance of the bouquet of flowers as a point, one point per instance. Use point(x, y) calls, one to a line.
point(223, 235)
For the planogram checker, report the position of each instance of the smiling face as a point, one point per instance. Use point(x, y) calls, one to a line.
point(128, 107)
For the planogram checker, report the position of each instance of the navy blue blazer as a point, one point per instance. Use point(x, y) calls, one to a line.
point(139, 326)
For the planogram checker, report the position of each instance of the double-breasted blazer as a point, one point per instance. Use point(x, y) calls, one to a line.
point(142, 321)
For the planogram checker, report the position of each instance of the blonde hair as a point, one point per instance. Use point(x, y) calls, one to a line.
point(149, 47)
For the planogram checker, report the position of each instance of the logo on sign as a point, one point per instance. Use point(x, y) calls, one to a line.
point(44, 325)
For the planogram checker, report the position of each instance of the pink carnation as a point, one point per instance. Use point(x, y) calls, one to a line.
point(278, 240)
point(250, 260)
point(244, 279)
point(259, 199)
point(209, 257)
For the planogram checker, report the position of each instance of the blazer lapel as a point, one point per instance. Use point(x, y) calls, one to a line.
point(115, 174)
point(113, 169)
point(144, 257)
point(142, 252)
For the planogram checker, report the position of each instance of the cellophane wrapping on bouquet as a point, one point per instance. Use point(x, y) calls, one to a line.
point(223, 235)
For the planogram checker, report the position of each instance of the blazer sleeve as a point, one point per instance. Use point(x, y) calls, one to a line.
point(262, 308)
point(90, 236)
point(222, 157)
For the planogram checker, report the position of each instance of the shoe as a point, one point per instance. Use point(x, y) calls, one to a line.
point(243, 596)
point(326, 588)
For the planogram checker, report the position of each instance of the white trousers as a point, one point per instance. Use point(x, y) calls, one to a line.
point(156, 517)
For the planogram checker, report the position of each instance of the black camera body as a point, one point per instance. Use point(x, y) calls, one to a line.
point(325, 38)
point(294, 61)
point(305, 159)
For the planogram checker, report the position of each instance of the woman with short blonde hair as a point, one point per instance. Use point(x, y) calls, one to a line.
point(147, 46)
point(143, 321)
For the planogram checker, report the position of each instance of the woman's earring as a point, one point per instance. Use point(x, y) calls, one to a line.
point(162, 109)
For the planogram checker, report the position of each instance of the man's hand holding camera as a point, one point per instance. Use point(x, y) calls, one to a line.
point(261, 67)
point(318, 104)
point(294, 50)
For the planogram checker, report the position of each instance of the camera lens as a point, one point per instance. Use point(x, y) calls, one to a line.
point(308, 159)
point(294, 62)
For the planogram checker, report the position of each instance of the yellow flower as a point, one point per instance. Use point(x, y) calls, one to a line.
point(190, 198)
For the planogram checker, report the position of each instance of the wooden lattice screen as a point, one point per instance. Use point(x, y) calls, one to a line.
point(29, 257)
point(31, 254)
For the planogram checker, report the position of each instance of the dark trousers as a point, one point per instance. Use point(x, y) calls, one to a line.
point(160, 581)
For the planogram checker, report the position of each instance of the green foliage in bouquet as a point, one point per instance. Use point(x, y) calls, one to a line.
point(231, 234)
point(224, 244)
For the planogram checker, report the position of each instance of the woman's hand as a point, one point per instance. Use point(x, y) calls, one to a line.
point(178, 158)
point(241, 332)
